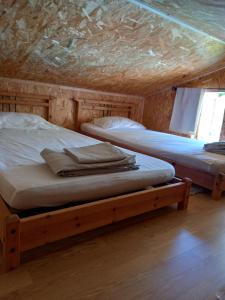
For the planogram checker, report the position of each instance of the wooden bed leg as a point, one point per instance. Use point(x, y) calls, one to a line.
point(218, 186)
point(11, 242)
point(216, 194)
point(182, 205)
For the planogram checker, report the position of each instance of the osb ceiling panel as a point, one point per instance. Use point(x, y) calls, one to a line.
point(109, 45)
point(206, 15)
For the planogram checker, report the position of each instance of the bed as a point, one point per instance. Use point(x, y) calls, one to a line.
point(186, 155)
point(37, 207)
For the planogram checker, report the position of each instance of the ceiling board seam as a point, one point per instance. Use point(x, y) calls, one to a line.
point(147, 6)
point(202, 76)
point(181, 83)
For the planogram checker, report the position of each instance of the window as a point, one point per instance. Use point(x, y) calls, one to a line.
point(199, 113)
point(211, 116)
point(185, 113)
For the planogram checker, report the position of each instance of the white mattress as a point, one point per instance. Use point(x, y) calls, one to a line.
point(188, 152)
point(26, 182)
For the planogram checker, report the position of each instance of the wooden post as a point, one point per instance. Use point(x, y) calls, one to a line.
point(11, 242)
point(76, 114)
point(218, 186)
point(4, 212)
point(50, 108)
point(182, 205)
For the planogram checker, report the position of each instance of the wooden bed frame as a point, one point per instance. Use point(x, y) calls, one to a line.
point(19, 234)
point(87, 109)
point(27, 103)
point(215, 183)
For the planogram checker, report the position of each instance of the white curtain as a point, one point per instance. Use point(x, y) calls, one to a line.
point(186, 110)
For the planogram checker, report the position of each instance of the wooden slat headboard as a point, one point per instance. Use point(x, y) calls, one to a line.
point(88, 109)
point(29, 103)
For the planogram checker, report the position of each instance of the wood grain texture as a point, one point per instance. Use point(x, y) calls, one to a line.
point(23, 233)
point(108, 45)
point(59, 224)
point(11, 242)
point(163, 255)
point(28, 103)
point(88, 109)
point(207, 15)
point(158, 107)
point(64, 109)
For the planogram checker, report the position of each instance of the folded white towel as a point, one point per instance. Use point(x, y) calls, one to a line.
point(63, 165)
point(98, 153)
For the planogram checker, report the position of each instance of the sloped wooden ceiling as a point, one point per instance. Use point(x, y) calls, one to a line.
point(205, 15)
point(110, 45)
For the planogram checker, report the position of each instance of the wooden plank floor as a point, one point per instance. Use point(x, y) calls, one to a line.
point(167, 255)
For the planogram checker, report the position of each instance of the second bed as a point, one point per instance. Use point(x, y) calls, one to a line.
point(187, 155)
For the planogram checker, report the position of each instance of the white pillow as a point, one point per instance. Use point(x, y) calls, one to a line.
point(23, 121)
point(116, 122)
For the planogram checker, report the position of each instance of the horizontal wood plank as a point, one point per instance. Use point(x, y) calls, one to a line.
point(56, 225)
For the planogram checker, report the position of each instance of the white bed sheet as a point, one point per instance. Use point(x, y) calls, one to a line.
point(188, 152)
point(26, 182)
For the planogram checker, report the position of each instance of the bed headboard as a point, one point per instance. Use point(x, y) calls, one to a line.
point(87, 109)
point(27, 103)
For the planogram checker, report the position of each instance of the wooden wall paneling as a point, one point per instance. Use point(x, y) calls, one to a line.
point(158, 106)
point(158, 111)
point(63, 112)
